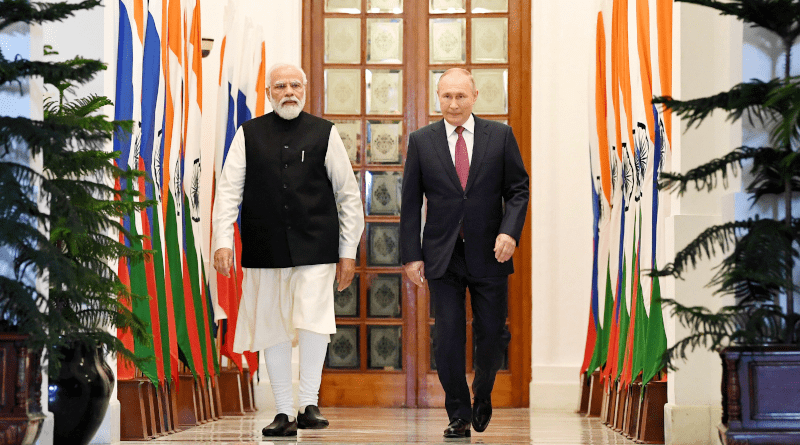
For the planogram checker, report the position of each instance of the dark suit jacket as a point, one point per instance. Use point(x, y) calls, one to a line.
point(495, 200)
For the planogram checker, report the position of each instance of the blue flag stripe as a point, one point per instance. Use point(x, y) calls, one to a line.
point(123, 107)
point(150, 83)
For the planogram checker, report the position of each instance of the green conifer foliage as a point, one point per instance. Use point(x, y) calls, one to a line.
point(60, 226)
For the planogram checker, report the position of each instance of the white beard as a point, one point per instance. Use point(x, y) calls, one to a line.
point(288, 112)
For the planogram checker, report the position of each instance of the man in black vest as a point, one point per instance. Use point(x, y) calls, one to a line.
point(290, 171)
point(471, 172)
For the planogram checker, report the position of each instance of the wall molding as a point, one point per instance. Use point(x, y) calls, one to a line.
point(555, 388)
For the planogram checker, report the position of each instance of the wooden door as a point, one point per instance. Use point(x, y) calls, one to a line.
point(372, 67)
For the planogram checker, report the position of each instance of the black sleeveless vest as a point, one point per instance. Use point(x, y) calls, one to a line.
point(289, 215)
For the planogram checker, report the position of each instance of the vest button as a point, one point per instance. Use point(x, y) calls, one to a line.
point(465, 197)
point(285, 165)
point(286, 187)
point(285, 146)
point(286, 206)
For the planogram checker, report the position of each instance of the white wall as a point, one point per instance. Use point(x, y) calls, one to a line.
point(562, 52)
point(69, 38)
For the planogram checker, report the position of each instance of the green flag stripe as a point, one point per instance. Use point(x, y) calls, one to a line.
point(600, 354)
point(639, 334)
point(191, 262)
point(640, 330)
point(213, 337)
point(656, 335)
point(176, 274)
point(161, 290)
point(624, 319)
point(608, 316)
point(141, 307)
point(596, 360)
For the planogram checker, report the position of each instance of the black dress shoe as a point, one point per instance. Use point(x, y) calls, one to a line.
point(311, 419)
point(458, 428)
point(481, 414)
point(281, 426)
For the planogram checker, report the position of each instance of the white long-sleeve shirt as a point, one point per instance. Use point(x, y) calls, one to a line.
point(230, 190)
point(469, 137)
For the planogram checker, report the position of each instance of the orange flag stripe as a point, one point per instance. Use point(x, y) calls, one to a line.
point(197, 58)
point(664, 21)
point(625, 69)
point(184, 55)
point(261, 90)
point(601, 107)
point(615, 77)
point(167, 7)
point(643, 40)
point(138, 16)
point(221, 58)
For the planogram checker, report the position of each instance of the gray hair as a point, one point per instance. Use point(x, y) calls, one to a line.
point(457, 70)
point(284, 65)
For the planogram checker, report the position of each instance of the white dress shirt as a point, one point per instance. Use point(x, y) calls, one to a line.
point(348, 196)
point(469, 137)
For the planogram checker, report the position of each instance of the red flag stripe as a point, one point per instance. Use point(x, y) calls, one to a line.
point(591, 338)
point(125, 369)
point(191, 319)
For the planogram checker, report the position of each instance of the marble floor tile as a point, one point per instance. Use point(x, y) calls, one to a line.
point(405, 426)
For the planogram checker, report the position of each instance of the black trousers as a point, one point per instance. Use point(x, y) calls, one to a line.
point(489, 297)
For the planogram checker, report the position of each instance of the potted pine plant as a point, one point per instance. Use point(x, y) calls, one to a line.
point(758, 336)
point(58, 291)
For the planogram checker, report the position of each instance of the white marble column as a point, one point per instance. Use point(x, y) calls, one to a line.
point(562, 49)
point(708, 61)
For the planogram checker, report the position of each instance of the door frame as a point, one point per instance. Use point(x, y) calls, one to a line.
point(421, 386)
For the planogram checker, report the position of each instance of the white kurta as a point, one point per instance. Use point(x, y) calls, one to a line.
point(276, 302)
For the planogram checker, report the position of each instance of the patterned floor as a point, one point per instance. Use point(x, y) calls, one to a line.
point(406, 426)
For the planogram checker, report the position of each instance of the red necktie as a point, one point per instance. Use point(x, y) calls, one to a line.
point(462, 159)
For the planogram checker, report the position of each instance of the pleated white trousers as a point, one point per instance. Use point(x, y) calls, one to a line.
point(277, 302)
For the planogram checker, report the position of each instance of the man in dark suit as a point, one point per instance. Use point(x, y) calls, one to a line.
point(471, 172)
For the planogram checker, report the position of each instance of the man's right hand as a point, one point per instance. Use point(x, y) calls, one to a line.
point(223, 260)
point(416, 272)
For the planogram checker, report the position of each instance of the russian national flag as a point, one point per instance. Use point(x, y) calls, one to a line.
point(241, 96)
point(128, 98)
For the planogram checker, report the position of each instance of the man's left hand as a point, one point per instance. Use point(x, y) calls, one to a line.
point(504, 247)
point(344, 272)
